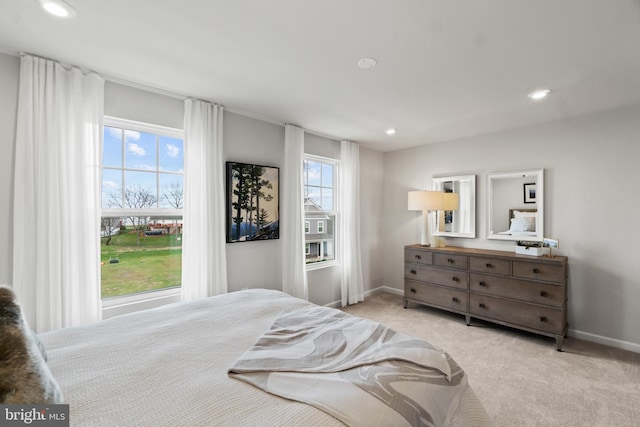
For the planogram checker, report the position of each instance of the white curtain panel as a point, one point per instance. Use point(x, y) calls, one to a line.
point(294, 273)
point(56, 239)
point(349, 229)
point(204, 259)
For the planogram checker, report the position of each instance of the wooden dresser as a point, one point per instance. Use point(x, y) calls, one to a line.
point(520, 291)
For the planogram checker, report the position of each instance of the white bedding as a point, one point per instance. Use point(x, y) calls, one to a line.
point(168, 367)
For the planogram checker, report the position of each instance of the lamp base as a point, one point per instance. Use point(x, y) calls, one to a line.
point(437, 242)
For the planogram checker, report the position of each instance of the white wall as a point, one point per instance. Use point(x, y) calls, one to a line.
point(9, 76)
point(253, 264)
point(591, 205)
point(131, 103)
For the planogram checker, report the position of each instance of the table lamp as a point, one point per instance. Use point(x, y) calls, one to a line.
point(425, 201)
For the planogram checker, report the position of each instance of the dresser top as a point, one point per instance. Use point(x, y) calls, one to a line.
point(556, 259)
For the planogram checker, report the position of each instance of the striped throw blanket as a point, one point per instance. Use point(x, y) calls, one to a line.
point(360, 371)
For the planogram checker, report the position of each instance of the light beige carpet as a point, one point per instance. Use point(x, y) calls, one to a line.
point(519, 377)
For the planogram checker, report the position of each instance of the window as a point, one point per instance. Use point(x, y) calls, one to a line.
point(320, 210)
point(142, 197)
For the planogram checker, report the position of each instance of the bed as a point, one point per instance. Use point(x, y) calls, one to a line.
point(522, 222)
point(169, 366)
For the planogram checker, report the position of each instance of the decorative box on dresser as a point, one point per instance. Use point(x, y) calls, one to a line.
point(520, 291)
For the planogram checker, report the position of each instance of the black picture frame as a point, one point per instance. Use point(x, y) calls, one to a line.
point(252, 202)
point(530, 192)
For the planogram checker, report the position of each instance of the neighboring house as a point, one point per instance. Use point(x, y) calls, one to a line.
point(318, 233)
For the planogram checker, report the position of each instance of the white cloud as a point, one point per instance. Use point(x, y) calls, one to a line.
point(115, 132)
point(131, 135)
point(110, 184)
point(172, 150)
point(136, 149)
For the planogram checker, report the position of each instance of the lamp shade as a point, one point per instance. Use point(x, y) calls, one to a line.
point(425, 200)
point(451, 201)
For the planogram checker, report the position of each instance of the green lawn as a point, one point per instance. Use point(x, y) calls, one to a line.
point(145, 264)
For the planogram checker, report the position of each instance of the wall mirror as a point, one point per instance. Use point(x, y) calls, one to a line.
point(462, 221)
point(516, 205)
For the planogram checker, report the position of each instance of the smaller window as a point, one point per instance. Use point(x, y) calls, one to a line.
point(320, 178)
point(307, 248)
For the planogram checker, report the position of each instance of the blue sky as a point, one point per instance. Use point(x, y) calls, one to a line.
point(319, 183)
point(146, 158)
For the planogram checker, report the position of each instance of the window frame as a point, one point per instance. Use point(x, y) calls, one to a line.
point(116, 122)
point(333, 213)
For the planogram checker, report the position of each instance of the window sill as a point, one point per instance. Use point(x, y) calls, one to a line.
point(320, 265)
point(116, 306)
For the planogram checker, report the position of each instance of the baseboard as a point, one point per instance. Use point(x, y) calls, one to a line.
point(599, 339)
point(338, 304)
point(389, 290)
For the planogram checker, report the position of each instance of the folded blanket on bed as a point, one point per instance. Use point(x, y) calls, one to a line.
point(357, 370)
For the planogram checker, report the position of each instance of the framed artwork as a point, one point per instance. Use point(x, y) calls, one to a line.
point(252, 202)
point(530, 192)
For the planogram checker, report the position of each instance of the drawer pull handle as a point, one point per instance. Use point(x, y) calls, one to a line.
point(482, 305)
point(454, 299)
point(536, 271)
point(450, 261)
point(413, 272)
point(418, 257)
point(412, 290)
point(543, 319)
point(455, 279)
point(543, 294)
point(482, 284)
point(488, 265)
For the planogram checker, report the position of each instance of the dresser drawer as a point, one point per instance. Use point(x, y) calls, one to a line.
point(540, 293)
point(539, 271)
point(490, 265)
point(438, 276)
point(451, 261)
point(417, 256)
point(436, 295)
point(546, 319)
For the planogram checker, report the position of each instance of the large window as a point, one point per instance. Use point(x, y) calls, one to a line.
point(320, 210)
point(142, 198)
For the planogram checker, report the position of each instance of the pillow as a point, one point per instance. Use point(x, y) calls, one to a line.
point(518, 225)
point(522, 214)
point(530, 223)
point(25, 377)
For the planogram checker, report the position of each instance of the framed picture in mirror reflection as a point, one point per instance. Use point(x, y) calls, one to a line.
point(530, 192)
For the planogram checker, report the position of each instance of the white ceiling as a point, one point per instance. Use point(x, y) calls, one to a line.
point(446, 69)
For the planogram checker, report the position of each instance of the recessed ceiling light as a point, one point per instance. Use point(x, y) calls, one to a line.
point(59, 8)
point(391, 131)
point(367, 63)
point(539, 94)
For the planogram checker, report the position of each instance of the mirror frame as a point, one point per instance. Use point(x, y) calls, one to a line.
point(437, 185)
point(539, 176)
